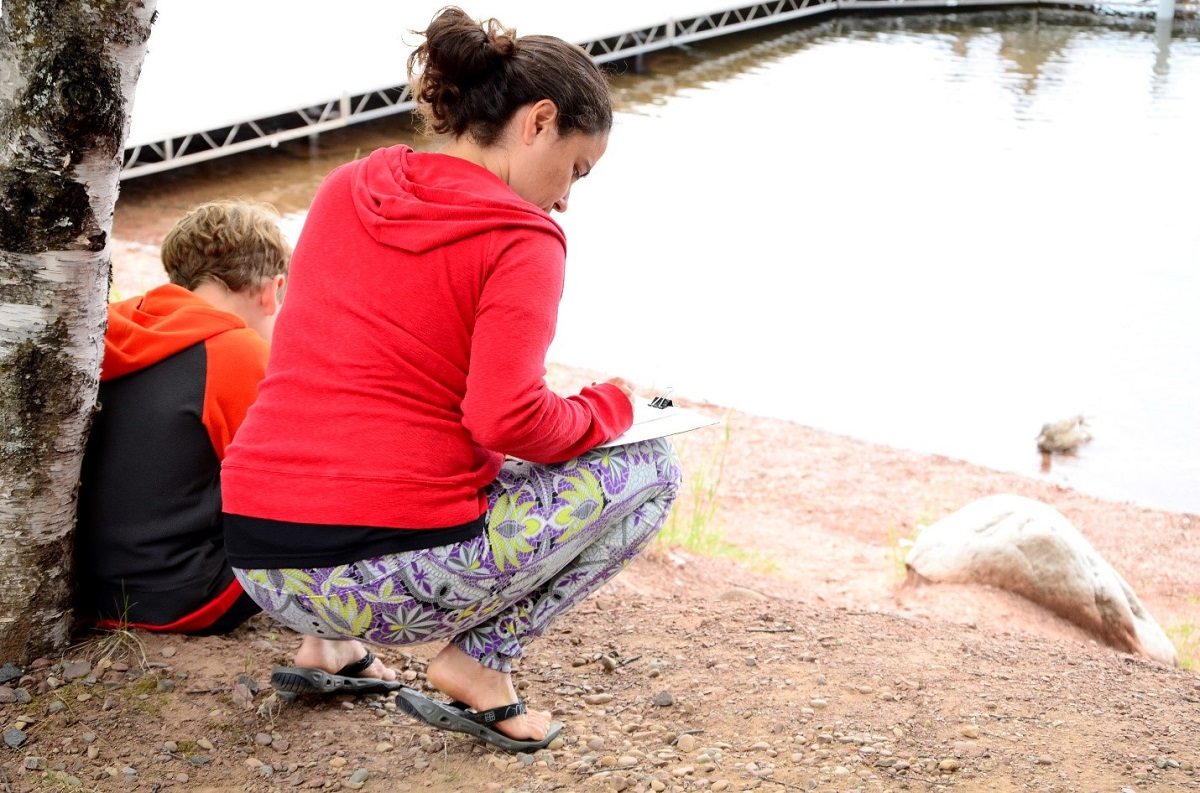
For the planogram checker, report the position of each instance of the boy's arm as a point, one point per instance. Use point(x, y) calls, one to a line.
point(237, 361)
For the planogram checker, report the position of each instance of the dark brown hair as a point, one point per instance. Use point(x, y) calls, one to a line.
point(470, 77)
point(226, 242)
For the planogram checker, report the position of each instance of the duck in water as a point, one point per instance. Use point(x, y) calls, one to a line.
point(1064, 436)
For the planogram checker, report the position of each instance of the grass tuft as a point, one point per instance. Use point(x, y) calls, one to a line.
point(694, 524)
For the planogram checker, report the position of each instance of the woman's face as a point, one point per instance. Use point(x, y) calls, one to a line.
point(543, 171)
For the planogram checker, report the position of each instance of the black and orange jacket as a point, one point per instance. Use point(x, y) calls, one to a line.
point(177, 379)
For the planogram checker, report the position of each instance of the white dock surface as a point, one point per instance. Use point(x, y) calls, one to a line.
point(213, 63)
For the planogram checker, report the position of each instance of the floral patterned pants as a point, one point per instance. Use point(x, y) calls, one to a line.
point(555, 534)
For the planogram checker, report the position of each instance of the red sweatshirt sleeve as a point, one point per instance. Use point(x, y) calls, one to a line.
point(237, 361)
point(508, 407)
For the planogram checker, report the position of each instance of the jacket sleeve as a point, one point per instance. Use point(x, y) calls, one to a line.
point(237, 361)
point(508, 407)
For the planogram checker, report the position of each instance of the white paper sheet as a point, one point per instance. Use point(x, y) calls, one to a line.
point(651, 422)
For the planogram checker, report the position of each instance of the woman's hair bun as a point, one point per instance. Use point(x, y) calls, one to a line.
point(470, 76)
point(460, 49)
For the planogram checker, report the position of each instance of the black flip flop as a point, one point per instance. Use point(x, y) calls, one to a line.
point(457, 717)
point(306, 680)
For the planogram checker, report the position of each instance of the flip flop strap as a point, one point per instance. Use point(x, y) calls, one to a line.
point(490, 716)
point(354, 668)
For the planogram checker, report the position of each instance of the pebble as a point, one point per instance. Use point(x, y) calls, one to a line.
point(360, 776)
point(818, 703)
point(15, 738)
point(663, 699)
point(168, 652)
point(686, 743)
point(969, 731)
point(949, 764)
point(205, 744)
point(8, 695)
point(598, 699)
point(73, 670)
point(9, 672)
point(337, 762)
point(263, 739)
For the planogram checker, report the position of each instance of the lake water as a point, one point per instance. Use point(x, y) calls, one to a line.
point(932, 232)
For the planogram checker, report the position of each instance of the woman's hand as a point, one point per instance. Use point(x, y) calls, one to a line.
point(623, 384)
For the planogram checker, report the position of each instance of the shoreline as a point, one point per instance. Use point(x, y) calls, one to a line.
point(829, 517)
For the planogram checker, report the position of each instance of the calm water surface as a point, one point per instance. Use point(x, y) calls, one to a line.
point(932, 233)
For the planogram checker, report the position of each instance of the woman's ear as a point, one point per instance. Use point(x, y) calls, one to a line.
point(541, 117)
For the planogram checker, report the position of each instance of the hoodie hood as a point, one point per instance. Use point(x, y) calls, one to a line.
point(168, 319)
point(418, 201)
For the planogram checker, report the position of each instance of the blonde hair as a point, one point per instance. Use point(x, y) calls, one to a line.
point(234, 243)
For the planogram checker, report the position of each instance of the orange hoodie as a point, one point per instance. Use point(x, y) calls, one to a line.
point(177, 379)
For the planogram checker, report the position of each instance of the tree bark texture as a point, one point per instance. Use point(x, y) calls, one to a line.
point(68, 69)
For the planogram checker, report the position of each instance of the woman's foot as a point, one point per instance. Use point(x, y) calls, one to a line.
point(332, 656)
point(461, 677)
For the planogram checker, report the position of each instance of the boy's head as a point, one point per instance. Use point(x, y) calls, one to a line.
point(232, 254)
point(232, 243)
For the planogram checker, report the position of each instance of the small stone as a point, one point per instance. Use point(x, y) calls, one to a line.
point(165, 686)
point(969, 731)
point(33, 763)
point(93, 752)
point(205, 744)
point(684, 770)
point(598, 699)
point(337, 762)
point(168, 652)
point(818, 703)
point(15, 738)
point(9, 672)
point(1044, 760)
point(719, 785)
point(686, 743)
point(281, 744)
point(182, 778)
point(73, 670)
point(359, 776)
point(384, 746)
point(8, 695)
point(23, 696)
point(263, 739)
point(663, 699)
point(751, 661)
point(949, 764)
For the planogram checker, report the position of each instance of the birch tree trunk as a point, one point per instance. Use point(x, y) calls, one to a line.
point(68, 69)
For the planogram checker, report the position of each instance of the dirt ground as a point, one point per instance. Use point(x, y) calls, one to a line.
point(793, 659)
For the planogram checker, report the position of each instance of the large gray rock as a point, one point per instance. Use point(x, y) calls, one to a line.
point(1030, 548)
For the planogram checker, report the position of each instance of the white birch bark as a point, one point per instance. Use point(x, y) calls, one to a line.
point(67, 75)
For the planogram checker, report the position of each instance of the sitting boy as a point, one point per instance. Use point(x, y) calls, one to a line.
point(182, 364)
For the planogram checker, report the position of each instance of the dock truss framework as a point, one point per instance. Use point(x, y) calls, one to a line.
point(148, 158)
